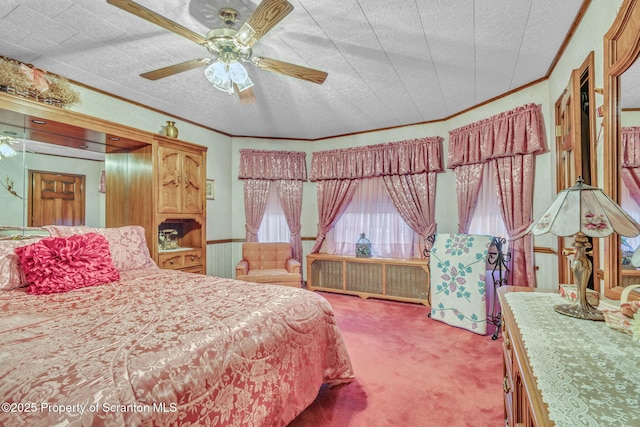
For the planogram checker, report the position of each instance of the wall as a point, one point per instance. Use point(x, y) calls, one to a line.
point(587, 38)
point(225, 214)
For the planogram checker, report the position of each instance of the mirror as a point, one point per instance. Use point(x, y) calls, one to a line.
point(36, 146)
point(622, 98)
point(629, 104)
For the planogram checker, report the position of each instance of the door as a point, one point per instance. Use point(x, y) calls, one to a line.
point(575, 149)
point(181, 185)
point(169, 169)
point(193, 197)
point(56, 199)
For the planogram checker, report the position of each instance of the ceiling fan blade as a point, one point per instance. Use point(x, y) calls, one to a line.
point(292, 70)
point(246, 96)
point(151, 16)
point(264, 18)
point(161, 73)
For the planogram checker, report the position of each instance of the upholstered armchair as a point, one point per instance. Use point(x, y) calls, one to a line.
point(271, 263)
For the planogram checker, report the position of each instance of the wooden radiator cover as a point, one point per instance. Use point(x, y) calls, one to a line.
point(395, 279)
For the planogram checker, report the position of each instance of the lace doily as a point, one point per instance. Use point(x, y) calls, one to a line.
point(588, 373)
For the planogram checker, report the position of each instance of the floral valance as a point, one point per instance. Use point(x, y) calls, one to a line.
point(395, 158)
point(630, 137)
point(519, 131)
point(273, 165)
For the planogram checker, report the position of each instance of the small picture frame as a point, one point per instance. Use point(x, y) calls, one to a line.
point(210, 189)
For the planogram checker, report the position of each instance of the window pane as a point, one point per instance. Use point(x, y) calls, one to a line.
point(372, 212)
point(273, 227)
point(487, 218)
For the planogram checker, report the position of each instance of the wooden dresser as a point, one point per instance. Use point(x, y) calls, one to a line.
point(564, 371)
point(523, 405)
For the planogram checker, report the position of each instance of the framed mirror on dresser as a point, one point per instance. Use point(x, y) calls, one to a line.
point(622, 112)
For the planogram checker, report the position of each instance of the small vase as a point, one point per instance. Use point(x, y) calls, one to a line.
point(171, 130)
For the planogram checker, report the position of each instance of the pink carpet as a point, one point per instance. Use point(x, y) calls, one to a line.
point(411, 371)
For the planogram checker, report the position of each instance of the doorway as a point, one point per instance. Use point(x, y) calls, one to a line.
point(575, 150)
point(56, 199)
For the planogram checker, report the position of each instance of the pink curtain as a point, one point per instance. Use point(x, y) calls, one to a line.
point(514, 176)
point(272, 165)
point(337, 172)
point(290, 195)
point(256, 193)
point(511, 139)
point(468, 181)
point(631, 161)
point(258, 168)
point(333, 197)
point(395, 158)
point(414, 197)
point(518, 131)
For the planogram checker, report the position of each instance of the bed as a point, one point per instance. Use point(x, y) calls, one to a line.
point(155, 347)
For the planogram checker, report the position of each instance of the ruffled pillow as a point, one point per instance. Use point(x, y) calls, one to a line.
point(128, 244)
point(60, 264)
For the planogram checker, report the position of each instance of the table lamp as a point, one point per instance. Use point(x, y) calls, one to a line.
point(583, 211)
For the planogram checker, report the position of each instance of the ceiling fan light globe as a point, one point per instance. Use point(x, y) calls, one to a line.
point(246, 35)
point(237, 72)
point(217, 74)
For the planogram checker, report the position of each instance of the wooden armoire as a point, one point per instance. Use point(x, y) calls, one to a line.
point(151, 180)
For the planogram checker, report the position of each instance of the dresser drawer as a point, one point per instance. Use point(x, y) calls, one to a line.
point(180, 260)
point(192, 258)
point(172, 260)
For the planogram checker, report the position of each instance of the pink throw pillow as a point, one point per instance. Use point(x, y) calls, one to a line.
point(128, 243)
point(60, 264)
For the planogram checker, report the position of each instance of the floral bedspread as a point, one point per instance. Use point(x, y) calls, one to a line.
point(162, 347)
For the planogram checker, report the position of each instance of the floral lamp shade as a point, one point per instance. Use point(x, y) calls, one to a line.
point(585, 209)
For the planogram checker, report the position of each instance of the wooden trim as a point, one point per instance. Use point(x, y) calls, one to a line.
point(544, 250)
point(621, 48)
point(570, 33)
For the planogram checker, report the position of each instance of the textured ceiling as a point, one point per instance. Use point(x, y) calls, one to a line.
point(389, 63)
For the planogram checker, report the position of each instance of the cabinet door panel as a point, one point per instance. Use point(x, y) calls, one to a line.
point(169, 197)
point(193, 183)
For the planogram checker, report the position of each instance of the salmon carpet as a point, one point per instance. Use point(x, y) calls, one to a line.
point(411, 371)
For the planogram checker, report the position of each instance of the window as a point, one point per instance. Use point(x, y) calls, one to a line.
point(487, 218)
point(274, 227)
point(372, 212)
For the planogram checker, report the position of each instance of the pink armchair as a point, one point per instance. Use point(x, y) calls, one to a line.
point(269, 263)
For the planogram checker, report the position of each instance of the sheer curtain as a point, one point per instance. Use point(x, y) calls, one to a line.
point(486, 218)
point(273, 227)
point(372, 212)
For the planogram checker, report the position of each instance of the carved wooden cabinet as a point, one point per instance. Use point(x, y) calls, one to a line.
point(159, 184)
point(181, 178)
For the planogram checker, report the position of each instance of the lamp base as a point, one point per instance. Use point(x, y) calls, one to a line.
point(574, 310)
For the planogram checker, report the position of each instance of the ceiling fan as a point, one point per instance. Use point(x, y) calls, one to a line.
point(229, 47)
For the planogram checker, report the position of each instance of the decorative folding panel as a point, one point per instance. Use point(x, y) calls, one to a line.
point(458, 275)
